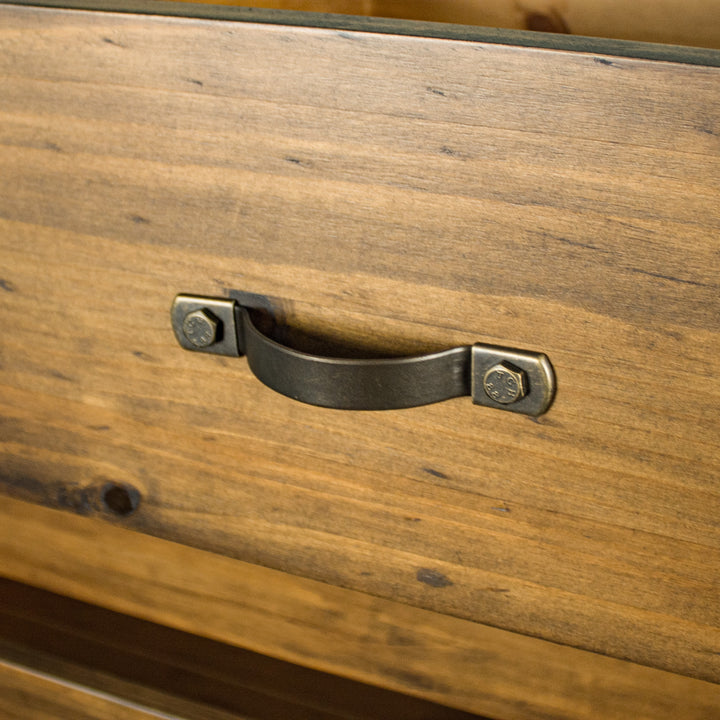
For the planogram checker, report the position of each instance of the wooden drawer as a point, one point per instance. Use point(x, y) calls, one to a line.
point(61, 658)
point(394, 188)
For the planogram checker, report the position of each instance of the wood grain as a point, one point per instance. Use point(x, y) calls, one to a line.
point(413, 193)
point(389, 644)
point(24, 693)
point(174, 672)
point(691, 22)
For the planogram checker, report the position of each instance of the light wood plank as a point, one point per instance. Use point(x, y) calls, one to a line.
point(413, 193)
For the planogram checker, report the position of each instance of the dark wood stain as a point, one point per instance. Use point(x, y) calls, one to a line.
point(435, 473)
point(120, 498)
point(141, 355)
point(110, 41)
point(59, 375)
point(434, 578)
point(672, 278)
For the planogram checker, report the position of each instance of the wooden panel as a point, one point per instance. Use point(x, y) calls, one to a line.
point(455, 662)
point(172, 671)
point(414, 194)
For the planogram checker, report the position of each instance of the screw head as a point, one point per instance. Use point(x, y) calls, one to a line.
point(505, 384)
point(201, 327)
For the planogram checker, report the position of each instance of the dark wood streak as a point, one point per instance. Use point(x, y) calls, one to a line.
point(433, 578)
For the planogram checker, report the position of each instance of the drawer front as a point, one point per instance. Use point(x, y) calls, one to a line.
point(398, 194)
point(454, 662)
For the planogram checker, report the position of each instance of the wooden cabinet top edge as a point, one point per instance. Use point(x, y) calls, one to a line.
point(388, 26)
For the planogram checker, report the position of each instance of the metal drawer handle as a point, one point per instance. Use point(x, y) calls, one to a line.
point(503, 378)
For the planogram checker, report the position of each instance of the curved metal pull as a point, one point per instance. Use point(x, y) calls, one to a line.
point(503, 378)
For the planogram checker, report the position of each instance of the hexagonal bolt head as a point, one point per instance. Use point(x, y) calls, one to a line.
point(505, 384)
point(201, 328)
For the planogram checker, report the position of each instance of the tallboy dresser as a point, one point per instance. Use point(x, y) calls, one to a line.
point(501, 496)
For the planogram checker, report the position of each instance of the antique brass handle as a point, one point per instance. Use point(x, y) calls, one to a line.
point(499, 377)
